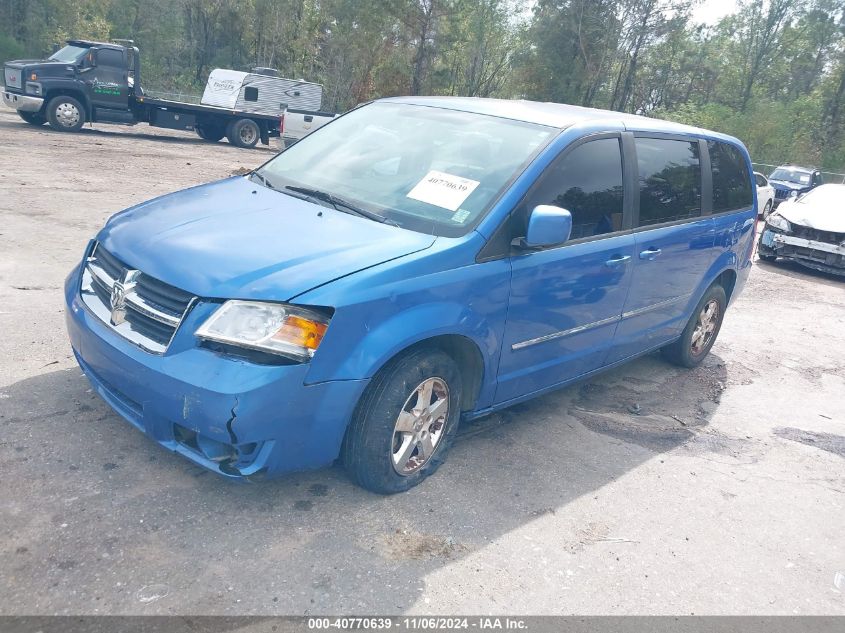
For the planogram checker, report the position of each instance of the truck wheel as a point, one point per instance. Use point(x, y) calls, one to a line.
point(212, 133)
point(701, 330)
point(402, 427)
point(243, 133)
point(65, 114)
point(33, 118)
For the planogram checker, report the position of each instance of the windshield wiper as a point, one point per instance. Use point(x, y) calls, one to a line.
point(339, 203)
point(263, 179)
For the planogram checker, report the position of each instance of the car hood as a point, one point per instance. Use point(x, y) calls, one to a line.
point(815, 216)
point(237, 239)
point(20, 63)
point(788, 186)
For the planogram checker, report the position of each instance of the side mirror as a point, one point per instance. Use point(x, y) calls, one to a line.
point(547, 226)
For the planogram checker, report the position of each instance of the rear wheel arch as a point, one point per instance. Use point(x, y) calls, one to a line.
point(727, 279)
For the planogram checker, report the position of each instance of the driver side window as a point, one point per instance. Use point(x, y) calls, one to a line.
point(587, 182)
point(109, 58)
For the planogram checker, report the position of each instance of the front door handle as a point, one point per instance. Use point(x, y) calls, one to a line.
point(617, 260)
point(650, 254)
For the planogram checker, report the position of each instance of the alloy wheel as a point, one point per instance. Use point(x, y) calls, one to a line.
point(421, 425)
point(705, 327)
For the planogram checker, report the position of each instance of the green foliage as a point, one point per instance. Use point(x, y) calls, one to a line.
point(11, 48)
point(772, 73)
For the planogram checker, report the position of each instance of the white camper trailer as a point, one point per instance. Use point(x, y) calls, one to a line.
point(259, 93)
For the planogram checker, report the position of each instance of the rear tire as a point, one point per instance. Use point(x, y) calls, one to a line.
point(210, 133)
point(65, 114)
point(701, 330)
point(243, 133)
point(33, 118)
point(397, 438)
point(767, 210)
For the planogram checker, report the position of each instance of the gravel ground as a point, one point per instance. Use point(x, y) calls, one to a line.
point(723, 496)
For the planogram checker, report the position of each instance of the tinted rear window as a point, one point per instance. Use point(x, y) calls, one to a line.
point(731, 184)
point(670, 180)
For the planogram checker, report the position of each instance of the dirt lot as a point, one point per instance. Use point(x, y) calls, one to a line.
point(724, 494)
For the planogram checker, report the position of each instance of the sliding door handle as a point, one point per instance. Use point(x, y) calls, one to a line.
point(617, 260)
point(650, 254)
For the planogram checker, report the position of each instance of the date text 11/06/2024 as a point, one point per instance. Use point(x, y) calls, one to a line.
point(417, 623)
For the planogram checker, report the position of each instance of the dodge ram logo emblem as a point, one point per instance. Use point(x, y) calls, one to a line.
point(119, 290)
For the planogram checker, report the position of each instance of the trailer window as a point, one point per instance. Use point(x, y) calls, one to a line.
point(250, 93)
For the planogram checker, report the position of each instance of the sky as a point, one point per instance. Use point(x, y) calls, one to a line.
point(707, 12)
point(711, 11)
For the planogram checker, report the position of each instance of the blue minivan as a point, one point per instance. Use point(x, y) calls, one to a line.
point(416, 263)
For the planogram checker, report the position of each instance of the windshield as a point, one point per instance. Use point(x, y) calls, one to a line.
point(427, 169)
point(791, 175)
point(69, 54)
point(833, 195)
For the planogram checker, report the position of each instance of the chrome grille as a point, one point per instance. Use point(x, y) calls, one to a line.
point(781, 194)
point(12, 78)
point(140, 308)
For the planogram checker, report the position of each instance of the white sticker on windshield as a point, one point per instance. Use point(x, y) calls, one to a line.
point(804, 179)
point(443, 190)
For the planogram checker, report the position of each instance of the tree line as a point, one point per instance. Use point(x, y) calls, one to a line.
point(771, 73)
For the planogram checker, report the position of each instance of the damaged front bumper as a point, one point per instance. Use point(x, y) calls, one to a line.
point(237, 418)
point(822, 256)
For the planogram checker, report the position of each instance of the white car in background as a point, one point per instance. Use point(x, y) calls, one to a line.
point(808, 229)
point(765, 194)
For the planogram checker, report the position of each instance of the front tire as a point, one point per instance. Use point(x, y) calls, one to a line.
point(767, 210)
point(33, 118)
point(701, 330)
point(65, 114)
point(405, 422)
point(243, 133)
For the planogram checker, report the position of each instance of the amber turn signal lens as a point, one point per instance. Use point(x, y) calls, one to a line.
point(300, 331)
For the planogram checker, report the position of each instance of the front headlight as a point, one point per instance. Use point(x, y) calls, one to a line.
point(276, 328)
point(779, 222)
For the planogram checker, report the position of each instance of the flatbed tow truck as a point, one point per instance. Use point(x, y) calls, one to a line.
point(101, 82)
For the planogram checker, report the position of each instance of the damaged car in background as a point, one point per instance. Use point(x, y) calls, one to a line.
point(809, 229)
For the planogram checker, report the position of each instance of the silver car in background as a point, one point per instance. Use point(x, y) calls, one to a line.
point(808, 229)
